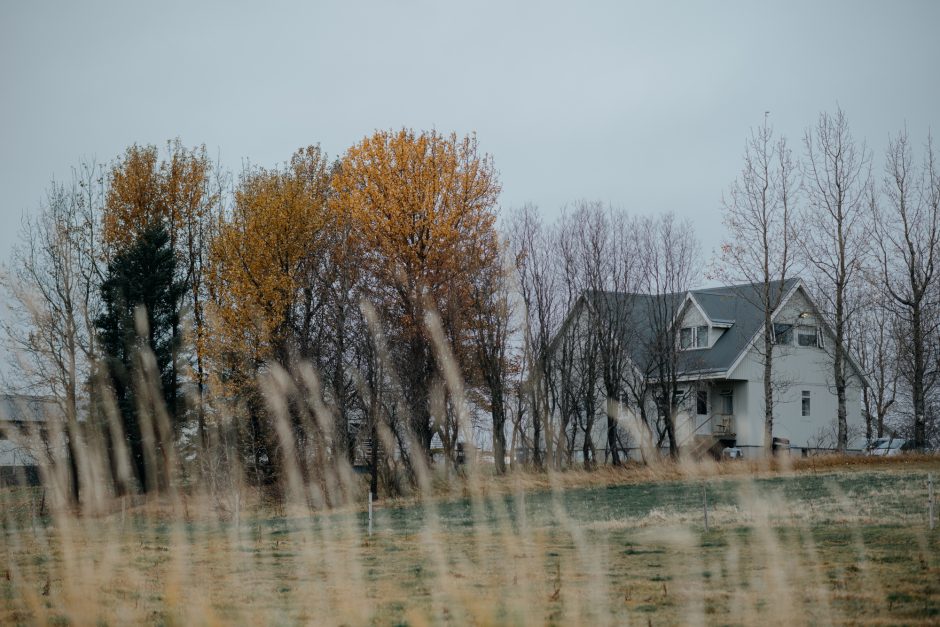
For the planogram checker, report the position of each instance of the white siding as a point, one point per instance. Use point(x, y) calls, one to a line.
point(692, 317)
point(796, 368)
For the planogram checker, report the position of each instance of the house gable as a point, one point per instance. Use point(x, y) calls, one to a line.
point(690, 322)
point(800, 320)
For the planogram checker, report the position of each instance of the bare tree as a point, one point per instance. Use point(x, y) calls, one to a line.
point(612, 311)
point(835, 242)
point(669, 253)
point(579, 242)
point(877, 330)
point(491, 331)
point(530, 244)
point(760, 218)
point(52, 283)
point(908, 240)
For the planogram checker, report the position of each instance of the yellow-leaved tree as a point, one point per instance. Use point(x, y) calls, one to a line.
point(181, 192)
point(262, 256)
point(423, 207)
point(263, 263)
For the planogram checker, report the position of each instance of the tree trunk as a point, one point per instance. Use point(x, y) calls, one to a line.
point(374, 454)
point(920, 426)
point(612, 440)
point(670, 409)
point(839, 366)
point(499, 431)
point(866, 401)
point(768, 384)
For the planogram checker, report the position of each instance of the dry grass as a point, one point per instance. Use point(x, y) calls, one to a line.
point(823, 542)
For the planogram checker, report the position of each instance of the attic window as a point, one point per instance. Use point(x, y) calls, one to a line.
point(783, 334)
point(807, 336)
point(693, 337)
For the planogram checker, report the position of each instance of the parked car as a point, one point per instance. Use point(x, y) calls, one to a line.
point(891, 446)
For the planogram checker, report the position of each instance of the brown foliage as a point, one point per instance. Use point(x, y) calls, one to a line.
point(422, 207)
point(263, 253)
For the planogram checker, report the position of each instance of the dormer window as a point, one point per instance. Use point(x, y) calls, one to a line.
point(693, 337)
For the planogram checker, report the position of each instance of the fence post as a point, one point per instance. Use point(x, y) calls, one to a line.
point(370, 512)
point(705, 505)
point(930, 502)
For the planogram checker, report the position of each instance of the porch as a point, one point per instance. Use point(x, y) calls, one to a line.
point(712, 417)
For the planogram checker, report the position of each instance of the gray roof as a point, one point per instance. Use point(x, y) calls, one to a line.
point(640, 315)
point(20, 408)
point(13, 454)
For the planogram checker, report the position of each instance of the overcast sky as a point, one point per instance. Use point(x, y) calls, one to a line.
point(643, 105)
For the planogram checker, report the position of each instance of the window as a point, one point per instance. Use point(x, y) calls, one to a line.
point(693, 337)
point(806, 402)
point(701, 337)
point(701, 402)
point(807, 336)
point(783, 334)
point(727, 402)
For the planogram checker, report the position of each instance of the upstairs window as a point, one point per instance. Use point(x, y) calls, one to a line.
point(806, 400)
point(807, 336)
point(783, 334)
point(693, 337)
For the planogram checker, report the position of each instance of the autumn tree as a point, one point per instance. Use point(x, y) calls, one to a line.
point(760, 217)
point(269, 263)
point(835, 241)
point(423, 206)
point(180, 191)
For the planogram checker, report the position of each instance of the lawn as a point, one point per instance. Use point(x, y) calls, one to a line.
point(832, 545)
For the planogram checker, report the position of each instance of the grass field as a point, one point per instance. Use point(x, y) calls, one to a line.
point(836, 544)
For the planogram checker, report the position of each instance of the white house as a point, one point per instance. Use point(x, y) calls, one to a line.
point(20, 418)
point(719, 365)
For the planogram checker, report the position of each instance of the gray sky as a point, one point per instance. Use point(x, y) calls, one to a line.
point(644, 105)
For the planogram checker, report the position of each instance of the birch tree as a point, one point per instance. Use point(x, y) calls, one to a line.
point(878, 333)
point(908, 239)
point(837, 231)
point(760, 218)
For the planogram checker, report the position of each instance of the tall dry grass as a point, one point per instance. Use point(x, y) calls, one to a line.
point(824, 540)
point(611, 548)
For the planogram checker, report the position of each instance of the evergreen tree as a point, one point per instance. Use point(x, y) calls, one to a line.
point(142, 277)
